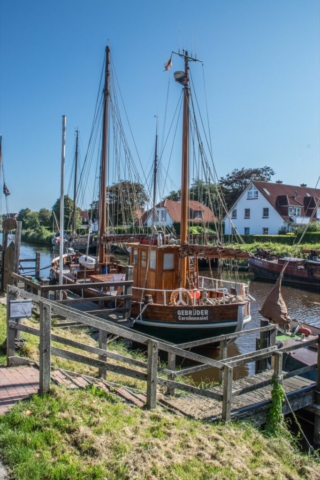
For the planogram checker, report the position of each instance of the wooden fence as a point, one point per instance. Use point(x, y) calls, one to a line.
point(149, 370)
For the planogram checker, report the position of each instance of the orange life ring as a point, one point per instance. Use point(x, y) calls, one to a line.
point(182, 296)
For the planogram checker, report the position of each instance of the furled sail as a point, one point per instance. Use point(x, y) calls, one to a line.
point(274, 307)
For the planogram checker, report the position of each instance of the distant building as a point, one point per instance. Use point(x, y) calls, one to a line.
point(169, 211)
point(264, 208)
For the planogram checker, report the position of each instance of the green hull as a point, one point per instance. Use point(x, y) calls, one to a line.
point(183, 335)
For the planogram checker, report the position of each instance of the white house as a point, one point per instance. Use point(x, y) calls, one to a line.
point(169, 211)
point(264, 208)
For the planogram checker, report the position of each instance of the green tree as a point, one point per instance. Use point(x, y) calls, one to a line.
point(236, 182)
point(31, 220)
point(21, 216)
point(174, 195)
point(45, 217)
point(124, 201)
point(203, 192)
point(68, 213)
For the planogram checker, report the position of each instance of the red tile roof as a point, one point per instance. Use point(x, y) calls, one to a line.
point(282, 196)
point(174, 210)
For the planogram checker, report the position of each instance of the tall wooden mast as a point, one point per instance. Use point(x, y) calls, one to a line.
point(155, 172)
point(185, 172)
point(103, 167)
point(74, 222)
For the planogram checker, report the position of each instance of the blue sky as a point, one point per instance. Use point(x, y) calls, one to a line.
point(262, 73)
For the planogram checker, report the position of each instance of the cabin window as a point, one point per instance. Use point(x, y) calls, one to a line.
point(265, 231)
point(135, 256)
point(168, 261)
point(247, 231)
point(153, 258)
point(294, 211)
point(143, 259)
point(247, 213)
point(265, 213)
point(234, 213)
point(252, 193)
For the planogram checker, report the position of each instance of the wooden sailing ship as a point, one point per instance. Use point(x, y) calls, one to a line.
point(169, 298)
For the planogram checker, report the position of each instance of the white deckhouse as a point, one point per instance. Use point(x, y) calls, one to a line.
point(264, 208)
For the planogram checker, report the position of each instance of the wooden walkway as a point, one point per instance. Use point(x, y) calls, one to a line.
point(253, 405)
point(20, 383)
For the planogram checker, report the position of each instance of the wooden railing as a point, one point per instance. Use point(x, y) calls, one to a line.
point(148, 370)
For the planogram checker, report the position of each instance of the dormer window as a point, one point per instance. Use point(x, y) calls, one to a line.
point(252, 193)
point(294, 212)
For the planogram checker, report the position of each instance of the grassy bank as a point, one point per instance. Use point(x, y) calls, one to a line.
point(94, 436)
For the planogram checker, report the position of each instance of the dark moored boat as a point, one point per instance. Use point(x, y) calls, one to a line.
point(299, 272)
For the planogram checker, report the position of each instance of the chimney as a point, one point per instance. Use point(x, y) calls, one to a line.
point(303, 185)
point(279, 181)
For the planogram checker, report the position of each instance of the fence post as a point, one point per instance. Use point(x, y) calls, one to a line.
point(37, 266)
point(11, 333)
point(128, 291)
point(227, 393)
point(264, 343)
point(103, 345)
point(316, 432)
point(45, 348)
point(222, 356)
point(152, 375)
point(171, 366)
point(278, 360)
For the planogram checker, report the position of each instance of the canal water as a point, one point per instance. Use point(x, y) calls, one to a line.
point(302, 305)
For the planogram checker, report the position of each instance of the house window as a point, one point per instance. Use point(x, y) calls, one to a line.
point(247, 213)
point(153, 256)
point(234, 213)
point(135, 256)
point(265, 213)
point(252, 193)
point(163, 216)
point(294, 211)
point(247, 231)
point(265, 231)
point(168, 261)
point(143, 259)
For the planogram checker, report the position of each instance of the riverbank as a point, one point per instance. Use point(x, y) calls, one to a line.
point(83, 434)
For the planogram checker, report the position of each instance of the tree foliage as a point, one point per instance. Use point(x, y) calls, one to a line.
point(236, 182)
point(124, 202)
point(45, 217)
point(68, 213)
point(31, 220)
point(200, 191)
point(21, 216)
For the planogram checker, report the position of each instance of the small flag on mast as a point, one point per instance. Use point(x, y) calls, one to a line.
point(168, 64)
point(6, 190)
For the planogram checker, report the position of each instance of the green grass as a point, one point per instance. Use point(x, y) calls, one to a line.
point(89, 434)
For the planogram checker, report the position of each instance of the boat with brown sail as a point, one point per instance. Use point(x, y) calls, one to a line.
point(170, 300)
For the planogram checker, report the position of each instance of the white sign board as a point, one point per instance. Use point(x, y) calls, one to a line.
point(20, 308)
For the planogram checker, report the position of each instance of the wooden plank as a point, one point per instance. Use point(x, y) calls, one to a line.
point(11, 334)
point(227, 393)
point(45, 348)
point(93, 299)
point(190, 388)
point(171, 375)
point(229, 336)
point(75, 357)
point(251, 356)
point(152, 374)
point(102, 356)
